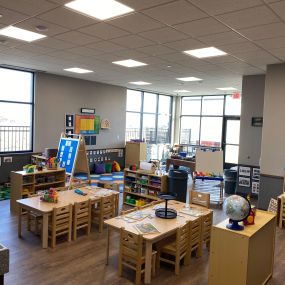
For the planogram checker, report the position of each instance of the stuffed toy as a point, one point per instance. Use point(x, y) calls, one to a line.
point(116, 167)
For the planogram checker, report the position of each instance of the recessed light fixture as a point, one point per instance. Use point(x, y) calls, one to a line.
point(20, 34)
point(227, 88)
point(100, 9)
point(189, 79)
point(205, 52)
point(129, 63)
point(41, 28)
point(181, 91)
point(78, 70)
point(140, 83)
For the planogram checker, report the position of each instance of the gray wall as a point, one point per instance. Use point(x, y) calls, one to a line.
point(57, 95)
point(252, 106)
point(273, 137)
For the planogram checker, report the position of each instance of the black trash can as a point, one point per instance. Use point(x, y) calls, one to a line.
point(230, 176)
point(177, 183)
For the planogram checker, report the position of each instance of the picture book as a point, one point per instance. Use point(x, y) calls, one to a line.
point(146, 228)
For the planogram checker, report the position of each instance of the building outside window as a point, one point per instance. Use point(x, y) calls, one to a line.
point(16, 110)
point(211, 121)
point(148, 118)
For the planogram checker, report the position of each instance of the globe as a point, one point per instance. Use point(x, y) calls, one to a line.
point(237, 209)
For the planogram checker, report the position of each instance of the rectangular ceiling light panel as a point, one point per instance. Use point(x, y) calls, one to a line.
point(129, 63)
point(78, 70)
point(20, 34)
point(205, 52)
point(99, 9)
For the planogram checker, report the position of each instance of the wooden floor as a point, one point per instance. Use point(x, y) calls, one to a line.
point(83, 261)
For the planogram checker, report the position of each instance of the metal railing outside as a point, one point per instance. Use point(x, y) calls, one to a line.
point(15, 138)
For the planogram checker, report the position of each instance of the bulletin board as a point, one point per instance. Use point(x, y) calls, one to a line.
point(87, 124)
point(210, 161)
point(67, 151)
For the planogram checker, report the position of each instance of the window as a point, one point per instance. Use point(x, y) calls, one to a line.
point(16, 110)
point(148, 117)
point(204, 122)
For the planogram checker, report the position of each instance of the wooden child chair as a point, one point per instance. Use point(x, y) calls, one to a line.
point(61, 223)
point(81, 217)
point(199, 198)
point(131, 254)
point(282, 211)
point(195, 232)
point(105, 211)
point(207, 222)
point(178, 249)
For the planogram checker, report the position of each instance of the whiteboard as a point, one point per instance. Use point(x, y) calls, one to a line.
point(67, 152)
point(210, 161)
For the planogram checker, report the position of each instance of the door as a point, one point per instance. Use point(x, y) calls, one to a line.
point(231, 140)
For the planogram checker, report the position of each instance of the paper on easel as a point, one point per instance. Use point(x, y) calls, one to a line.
point(209, 160)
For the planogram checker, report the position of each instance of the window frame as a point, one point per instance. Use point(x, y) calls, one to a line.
point(142, 113)
point(32, 104)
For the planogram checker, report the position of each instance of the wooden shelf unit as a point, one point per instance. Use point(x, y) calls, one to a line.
point(33, 182)
point(142, 185)
point(243, 257)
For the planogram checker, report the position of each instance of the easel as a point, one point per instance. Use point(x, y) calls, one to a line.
point(210, 161)
point(72, 156)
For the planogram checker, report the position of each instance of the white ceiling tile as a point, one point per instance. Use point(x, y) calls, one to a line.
point(142, 4)
point(36, 48)
point(84, 51)
point(31, 23)
point(103, 31)
point(155, 50)
point(264, 31)
point(249, 18)
point(279, 52)
point(132, 41)
point(222, 38)
point(164, 35)
point(29, 7)
point(54, 43)
point(273, 43)
point(105, 46)
point(202, 27)
point(10, 17)
point(9, 42)
point(77, 38)
point(215, 7)
point(135, 23)
point(130, 53)
point(239, 47)
point(175, 12)
point(259, 57)
point(63, 55)
point(185, 44)
point(279, 8)
point(66, 18)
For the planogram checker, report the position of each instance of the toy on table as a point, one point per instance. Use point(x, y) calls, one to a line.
point(79, 192)
point(249, 220)
point(29, 168)
point(50, 196)
point(52, 163)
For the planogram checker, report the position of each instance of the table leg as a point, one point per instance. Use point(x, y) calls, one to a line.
point(108, 244)
point(148, 258)
point(45, 231)
point(19, 221)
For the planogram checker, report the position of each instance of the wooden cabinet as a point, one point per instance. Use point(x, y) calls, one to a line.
point(243, 257)
point(135, 152)
point(23, 184)
point(141, 186)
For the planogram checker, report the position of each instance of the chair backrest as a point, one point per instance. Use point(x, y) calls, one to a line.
point(112, 186)
point(207, 222)
point(82, 212)
point(195, 229)
point(131, 245)
point(62, 219)
point(182, 238)
point(107, 206)
point(199, 198)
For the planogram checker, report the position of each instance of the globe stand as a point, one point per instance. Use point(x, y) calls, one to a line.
point(234, 225)
point(166, 213)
